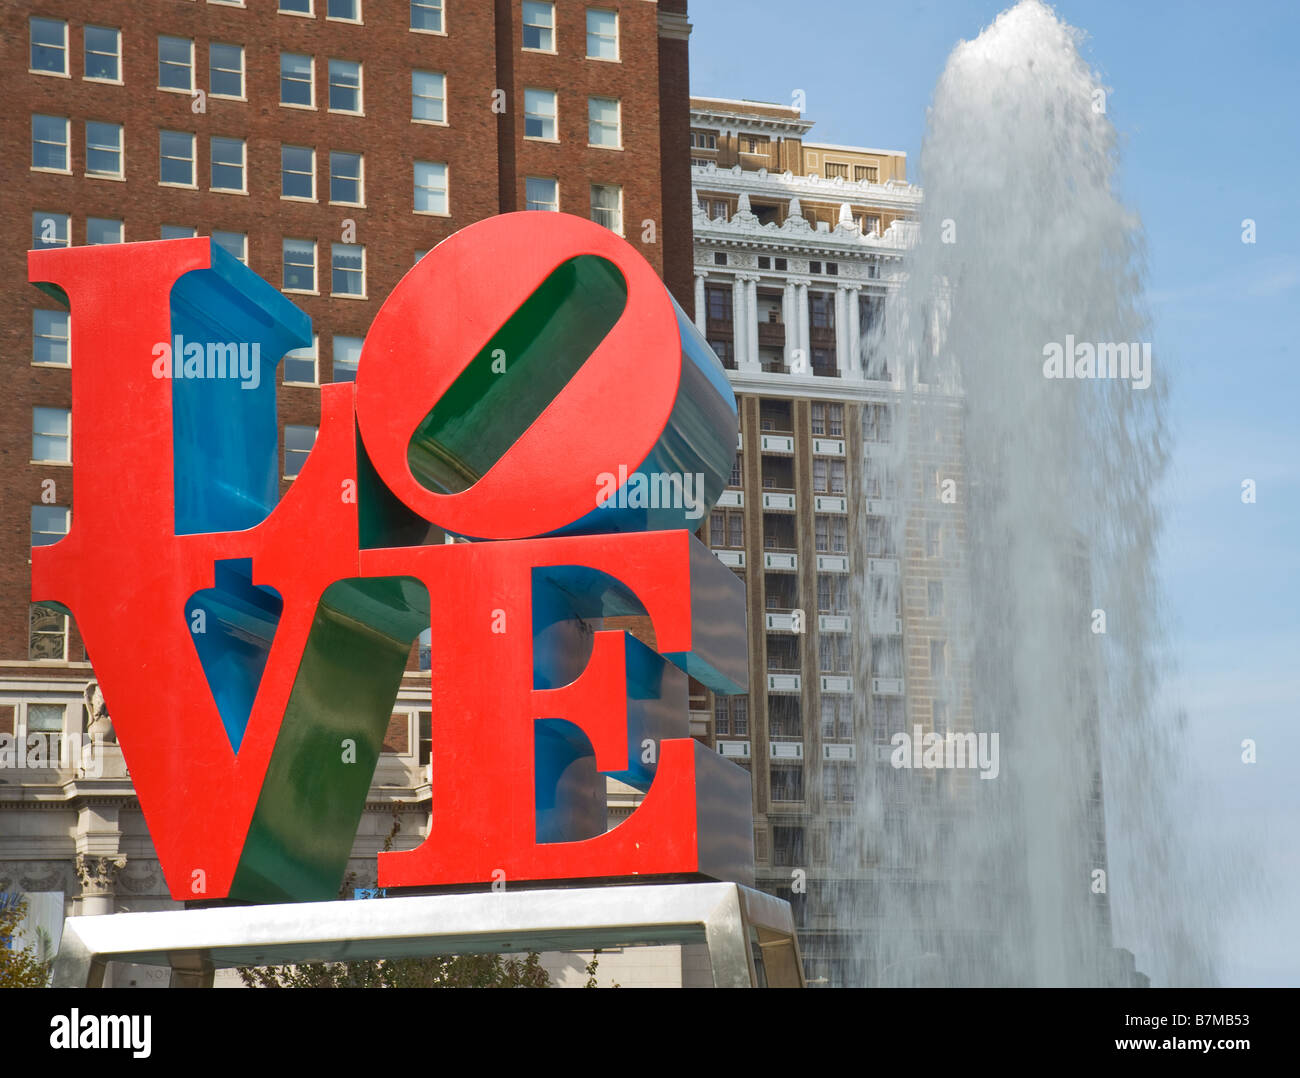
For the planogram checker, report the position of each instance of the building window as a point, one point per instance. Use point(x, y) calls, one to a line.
point(50, 143)
point(865, 172)
point(704, 140)
point(604, 127)
point(103, 54)
point(539, 114)
point(721, 717)
point(431, 187)
point(175, 64)
point(934, 598)
point(226, 70)
point(820, 312)
point(104, 150)
point(227, 164)
point(346, 10)
point(602, 34)
point(297, 80)
point(345, 86)
point(727, 528)
point(346, 186)
point(736, 472)
point(787, 785)
point(426, 15)
point(47, 638)
point(49, 523)
point(176, 158)
point(234, 244)
point(832, 269)
point(51, 435)
point(837, 170)
point(298, 172)
point(49, 46)
point(718, 302)
point(938, 658)
point(607, 206)
point(297, 444)
point(541, 193)
point(348, 270)
point(300, 364)
point(719, 258)
point(939, 717)
point(103, 230)
point(50, 230)
point(347, 354)
point(299, 266)
point(50, 338)
point(872, 229)
point(933, 539)
point(539, 26)
point(45, 719)
point(296, 7)
point(429, 97)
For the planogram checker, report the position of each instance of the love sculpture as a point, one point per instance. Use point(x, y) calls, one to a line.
point(251, 652)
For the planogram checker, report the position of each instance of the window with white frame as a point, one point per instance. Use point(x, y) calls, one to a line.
point(298, 172)
point(227, 164)
point(50, 230)
point(104, 230)
point(348, 269)
point(603, 122)
point(46, 719)
point(426, 15)
point(429, 97)
point(234, 244)
point(104, 150)
point(299, 266)
point(346, 181)
point(297, 80)
point(297, 445)
point(102, 54)
point(347, 354)
point(50, 140)
point(175, 63)
point(176, 158)
point(296, 7)
point(178, 232)
point(47, 636)
point(430, 187)
point(301, 364)
point(50, 338)
point(226, 70)
point(51, 435)
point(346, 10)
point(345, 86)
point(602, 34)
point(49, 46)
point(542, 193)
point(607, 206)
point(539, 25)
point(539, 114)
point(49, 523)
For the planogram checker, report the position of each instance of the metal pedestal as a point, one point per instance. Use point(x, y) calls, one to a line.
point(750, 935)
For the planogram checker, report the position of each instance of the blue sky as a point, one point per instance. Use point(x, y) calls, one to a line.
point(1207, 103)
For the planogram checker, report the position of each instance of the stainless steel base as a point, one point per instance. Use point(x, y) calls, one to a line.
point(750, 935)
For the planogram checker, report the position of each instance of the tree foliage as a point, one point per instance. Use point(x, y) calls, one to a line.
point(28, 968)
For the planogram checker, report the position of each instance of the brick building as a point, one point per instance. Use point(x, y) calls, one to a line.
point(328, 144)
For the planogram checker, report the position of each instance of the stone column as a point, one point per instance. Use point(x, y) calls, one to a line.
point(738, 319)
point(790, 318)
point(841, 328)
point(701, 314)
point(801, 313)
point(853, 365)
point(751, 324)
point(98, 876)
